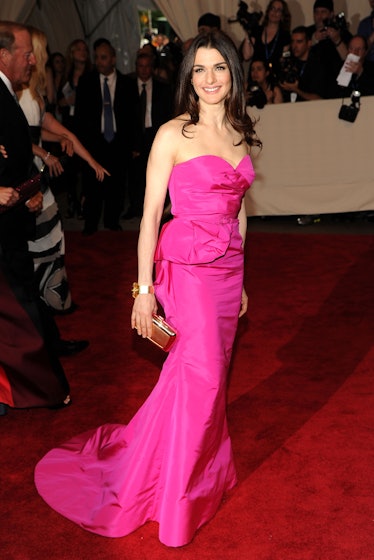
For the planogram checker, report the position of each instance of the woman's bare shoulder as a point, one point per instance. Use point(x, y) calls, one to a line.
point(174, 126)
point(170, 134)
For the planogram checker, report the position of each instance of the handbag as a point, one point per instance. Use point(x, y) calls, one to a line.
point(163, 335)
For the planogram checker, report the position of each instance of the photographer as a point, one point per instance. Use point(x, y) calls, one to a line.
point(362, 71)
point(269, 40)
point(261, 89)
point(302, 77)
point(330, 37)
point(208, 22)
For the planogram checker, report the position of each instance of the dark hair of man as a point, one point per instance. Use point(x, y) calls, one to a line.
point(7, 29)
point(145, 56)
point(101, 41)
point(105, 43)
point(301, 29)
point(364, 40)
point(285, 23)
point(235, 104)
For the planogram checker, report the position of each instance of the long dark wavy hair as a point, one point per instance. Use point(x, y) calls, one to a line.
point(285, 22)
point(186, 100)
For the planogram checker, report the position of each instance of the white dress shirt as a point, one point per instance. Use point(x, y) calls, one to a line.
point(112, 80)
point(8, 84)
point(148, 111)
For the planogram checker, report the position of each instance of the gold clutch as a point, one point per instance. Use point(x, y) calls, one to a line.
point(163, 335)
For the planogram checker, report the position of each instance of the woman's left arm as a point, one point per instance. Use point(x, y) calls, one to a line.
point(53, 125)
point(243, 232)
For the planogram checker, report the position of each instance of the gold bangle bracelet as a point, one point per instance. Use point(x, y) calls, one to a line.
point(138, 289)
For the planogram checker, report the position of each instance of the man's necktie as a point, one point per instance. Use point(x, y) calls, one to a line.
point(108, 114)
point(143, 104)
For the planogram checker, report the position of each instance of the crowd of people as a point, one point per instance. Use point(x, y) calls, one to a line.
point(304, 61)
point(284, 64)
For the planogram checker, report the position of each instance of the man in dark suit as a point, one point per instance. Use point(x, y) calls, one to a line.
point(154, 108)
point(104, 110)
point(35, 377)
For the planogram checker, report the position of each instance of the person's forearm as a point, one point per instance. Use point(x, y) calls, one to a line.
point(52, 125)
point(147, 243)
point(247, 49)
point(48, 136)
point(306, 95)
point(243, 222)
point(342, 49)
point(40, 152)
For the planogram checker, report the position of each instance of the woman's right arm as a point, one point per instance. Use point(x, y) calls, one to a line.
point(278, 96)
point(160, 165)
point(247, 48)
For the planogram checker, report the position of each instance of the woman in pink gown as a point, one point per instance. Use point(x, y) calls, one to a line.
point(173, 462)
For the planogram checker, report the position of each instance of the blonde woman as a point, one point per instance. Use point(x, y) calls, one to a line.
point(48, 248)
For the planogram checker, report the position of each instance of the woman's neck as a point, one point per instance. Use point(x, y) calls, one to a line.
point(79, 68)
point(273, 26)
point(213, 115)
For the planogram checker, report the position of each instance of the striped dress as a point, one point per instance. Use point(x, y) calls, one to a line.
point(48, 247)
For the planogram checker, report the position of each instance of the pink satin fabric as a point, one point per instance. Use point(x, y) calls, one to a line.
point(173, 461)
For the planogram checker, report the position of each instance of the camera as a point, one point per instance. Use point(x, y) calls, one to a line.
point(257, 96)
point(289, 71)
point(350, 112)
point(337, 22)
point(248, 20)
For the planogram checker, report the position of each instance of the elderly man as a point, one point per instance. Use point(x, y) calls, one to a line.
point(363, 70)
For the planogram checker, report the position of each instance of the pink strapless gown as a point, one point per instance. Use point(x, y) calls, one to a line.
point(173, 461)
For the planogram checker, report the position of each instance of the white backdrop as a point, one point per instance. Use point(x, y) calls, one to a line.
point(312, 162)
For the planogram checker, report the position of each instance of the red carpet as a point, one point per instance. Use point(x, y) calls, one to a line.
point(301, 407)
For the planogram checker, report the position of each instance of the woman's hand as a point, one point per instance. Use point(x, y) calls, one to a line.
point(54, 166)
point(100, 171)
point(141, 317)
point(35, 203)
point(3, 151)
point(243, 304)
point(8, 196)
point(67, 146)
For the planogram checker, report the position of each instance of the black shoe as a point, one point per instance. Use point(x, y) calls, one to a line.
point(3, 409)
point(308, 220)
point(73, 307)
point(114, 228)
point(71, 347)
point(64, 404)
point(88, 231)
point(129, 215)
